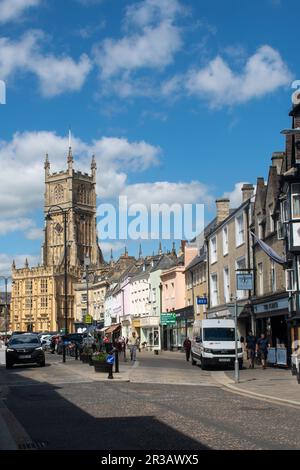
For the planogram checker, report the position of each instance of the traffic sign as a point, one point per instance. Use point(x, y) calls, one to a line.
point(201, 300)
point(168, 318)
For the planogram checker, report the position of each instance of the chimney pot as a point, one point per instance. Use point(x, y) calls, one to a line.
point(247, 191)
point(222, 209)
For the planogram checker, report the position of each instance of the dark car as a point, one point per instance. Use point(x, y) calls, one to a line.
point(24, 349)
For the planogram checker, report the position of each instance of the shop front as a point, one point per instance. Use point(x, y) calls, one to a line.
point(125, 325)
point(272, 319)
point(150, 333)
point(136, 326)
point(175, 332)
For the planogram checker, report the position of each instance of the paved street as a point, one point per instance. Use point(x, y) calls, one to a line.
point(67, 407)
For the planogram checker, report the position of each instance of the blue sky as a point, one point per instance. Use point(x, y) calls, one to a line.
point(181, 100)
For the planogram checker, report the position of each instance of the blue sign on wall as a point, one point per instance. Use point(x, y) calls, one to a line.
point(201, 300)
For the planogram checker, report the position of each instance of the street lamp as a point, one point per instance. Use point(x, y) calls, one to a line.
point(54, 209)
point(87, 263)
point(6, 279)
point(64, 212)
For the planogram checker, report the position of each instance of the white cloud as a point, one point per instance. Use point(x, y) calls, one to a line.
point(116, 246)
point(154, 48)
point(55, 74)
point(263, 73)
point(235, 196)
point(148, 12)
point(152, 43)
point(168, 193)
point(13, 9)
point(35, 234)
point(18, 224)
point(22, 173)
point(7, 259)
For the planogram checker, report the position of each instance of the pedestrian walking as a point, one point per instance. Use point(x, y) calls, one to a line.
point(187, 347)
point(133, 344)
point(251, 348)
point(262, 349)
point(107, 344)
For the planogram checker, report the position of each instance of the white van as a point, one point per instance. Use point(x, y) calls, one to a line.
point(213, 343)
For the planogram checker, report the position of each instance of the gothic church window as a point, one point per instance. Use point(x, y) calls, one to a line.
point(83, 195)
point(58, 193)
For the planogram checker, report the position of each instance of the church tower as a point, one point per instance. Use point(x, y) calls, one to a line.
point(74, 193)
point(38, 293)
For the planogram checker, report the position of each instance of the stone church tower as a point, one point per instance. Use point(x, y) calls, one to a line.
point(38, 292)
point(74, 192)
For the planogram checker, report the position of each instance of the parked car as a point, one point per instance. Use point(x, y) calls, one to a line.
point(213, 343)
point(46, 341)
point(25, 348)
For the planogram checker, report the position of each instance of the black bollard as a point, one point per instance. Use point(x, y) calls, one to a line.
point(64, 353)
point(76, 352)
point(117, 361)
point(110, 375)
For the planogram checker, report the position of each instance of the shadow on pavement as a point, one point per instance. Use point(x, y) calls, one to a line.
point(51, 419)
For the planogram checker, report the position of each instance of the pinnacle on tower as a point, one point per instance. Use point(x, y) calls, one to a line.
point(160, 249)
point(126, 252)
point(70, 154)
point(140, 251)
point(94, 163)
point(13, 264)
point(111, 256)
point(47, 163)
point(26, 263)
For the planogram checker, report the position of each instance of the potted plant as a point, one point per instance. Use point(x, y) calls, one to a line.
point(99, 361)
point(86, 354)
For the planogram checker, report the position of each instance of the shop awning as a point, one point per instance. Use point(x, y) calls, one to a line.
point(113, 328)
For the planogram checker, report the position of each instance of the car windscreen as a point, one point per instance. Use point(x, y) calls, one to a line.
point(219, 334)
point(25, 340)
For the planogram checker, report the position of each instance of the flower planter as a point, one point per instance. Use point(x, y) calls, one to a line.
point(101, 366)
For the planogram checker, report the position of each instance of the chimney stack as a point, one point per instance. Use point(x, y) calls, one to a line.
point(222, 209)
point(277, 161)
point(247, 191)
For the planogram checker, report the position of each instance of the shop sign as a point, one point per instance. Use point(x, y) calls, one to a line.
point(272, 306)
point(149, 321)
point(244, 281)
point(168, 318)
point(88, 320)
point(136, 323)
point(201, 300)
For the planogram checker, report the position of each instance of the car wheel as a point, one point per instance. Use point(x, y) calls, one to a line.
point(298, 377)
point(193, 361)
point(9, 365)
point(42, 364)
point(202, 364)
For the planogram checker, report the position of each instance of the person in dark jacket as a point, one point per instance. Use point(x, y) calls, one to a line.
point(262, 349)
point(187, 347)
point(251, 347)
